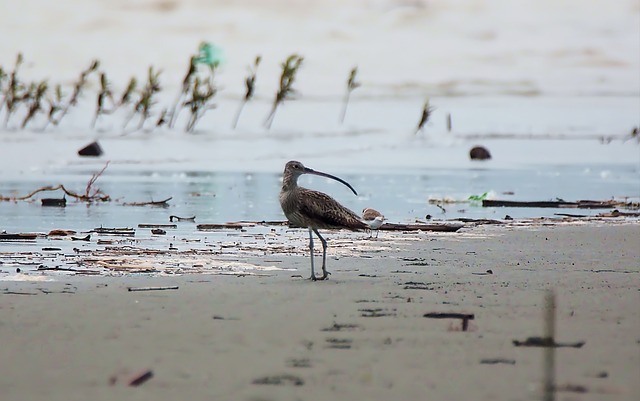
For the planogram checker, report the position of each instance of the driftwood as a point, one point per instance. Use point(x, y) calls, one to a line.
point(174, 287)
point(162, 203)
point(465, 317)
point(140, 378)
point(55, 202)
point(115, 231)
point(206, 227)
point(617, 213)
point(545, 342)
point(157, 226)
point(478, 221)
point(66, 269)
point(581, 204)
point(19, 237)
point(90, 194)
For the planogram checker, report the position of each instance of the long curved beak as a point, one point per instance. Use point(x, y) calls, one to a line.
point(308, 170)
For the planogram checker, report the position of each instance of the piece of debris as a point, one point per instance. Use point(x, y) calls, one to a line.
point(341, 327)
point(581, 204)
point(494, 361)
point(157, 226)
point(18, 237)
point(280, 380)
point(93, 149)
point(140, 378)
point(60, 233)
point(479, 153)
point(465, 317)
point(546, 342)
point(571, 388)
point(206, 227)
point(131, 289)
point(115, 231)
point(176, 218)
point(447, 227)
point(339, 343)
point(375, 312)
point(162, 203)
point(54, 202)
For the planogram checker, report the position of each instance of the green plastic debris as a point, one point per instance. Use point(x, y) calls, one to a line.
point(209, 54)
point(478, 198)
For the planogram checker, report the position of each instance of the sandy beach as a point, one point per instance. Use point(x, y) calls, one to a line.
point(360, 335)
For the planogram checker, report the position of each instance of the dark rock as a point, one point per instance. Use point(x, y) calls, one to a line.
point(92, 149)
point(479, 153)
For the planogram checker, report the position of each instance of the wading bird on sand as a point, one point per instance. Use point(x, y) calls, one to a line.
point(314, 210)
point(374, 220)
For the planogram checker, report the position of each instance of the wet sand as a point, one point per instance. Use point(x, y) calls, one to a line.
point(359, 336)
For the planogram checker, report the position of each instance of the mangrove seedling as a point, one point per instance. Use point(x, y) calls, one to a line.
point(105, 93)
point(352, 84)
point(250, 83)
point(126, 95)
point(146, 101)
point(424, 118)
point(55, 105)
point(78, 87)
point(34, 102)
point(186, 86)
point(289, 70)
point(201, 94)
point(12, 93)
point(162, 120)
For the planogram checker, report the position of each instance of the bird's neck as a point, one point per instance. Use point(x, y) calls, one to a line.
point(289, 182)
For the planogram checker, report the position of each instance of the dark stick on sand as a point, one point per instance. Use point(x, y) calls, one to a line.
point(550, 352)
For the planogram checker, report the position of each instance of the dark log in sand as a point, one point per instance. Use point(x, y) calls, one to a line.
point(465, 317)
point(18, 237)
point(581, 204)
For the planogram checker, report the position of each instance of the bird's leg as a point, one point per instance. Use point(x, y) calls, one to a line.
point(313, 274)
point(325, 273)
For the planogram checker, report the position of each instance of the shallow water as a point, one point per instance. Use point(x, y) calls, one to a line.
point(228, 196)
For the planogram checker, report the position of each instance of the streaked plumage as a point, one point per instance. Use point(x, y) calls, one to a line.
point(313, 209)
point(373, 218)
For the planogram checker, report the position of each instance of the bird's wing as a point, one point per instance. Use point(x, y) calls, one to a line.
point(328, 213)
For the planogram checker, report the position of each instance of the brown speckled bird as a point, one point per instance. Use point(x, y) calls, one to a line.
point(312, 209)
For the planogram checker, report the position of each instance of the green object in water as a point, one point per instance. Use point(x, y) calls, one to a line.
point(209, 54)
point(478, 198)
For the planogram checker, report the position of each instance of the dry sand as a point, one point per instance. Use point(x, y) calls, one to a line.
point(219, 337)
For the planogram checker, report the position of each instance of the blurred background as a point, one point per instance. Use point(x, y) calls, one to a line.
point(550, 87)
